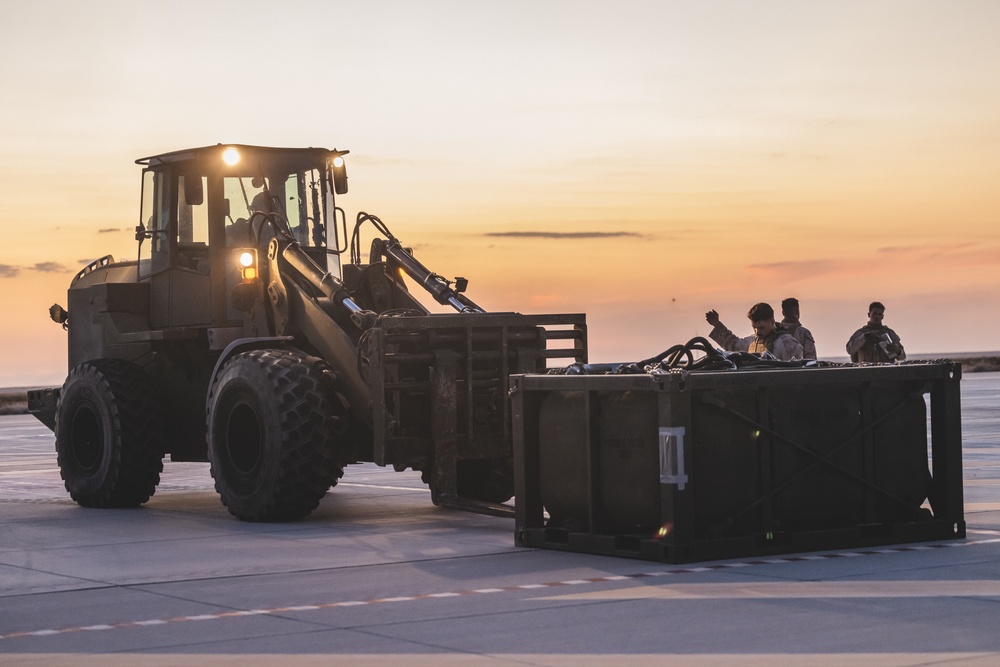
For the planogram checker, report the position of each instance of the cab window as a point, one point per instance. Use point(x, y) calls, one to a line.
point(154, 218)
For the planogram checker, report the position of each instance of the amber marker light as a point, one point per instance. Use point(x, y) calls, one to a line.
point(664, 530)
point(230, 156)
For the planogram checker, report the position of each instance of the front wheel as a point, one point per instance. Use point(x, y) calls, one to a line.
point(109, 435)
point(275, 434)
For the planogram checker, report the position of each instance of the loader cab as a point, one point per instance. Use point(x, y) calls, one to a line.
point(204, 208)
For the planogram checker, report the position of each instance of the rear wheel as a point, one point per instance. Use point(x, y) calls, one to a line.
point(109, 435)
point(275, 434)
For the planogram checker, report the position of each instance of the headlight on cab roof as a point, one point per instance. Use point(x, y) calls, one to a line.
point(231, 156)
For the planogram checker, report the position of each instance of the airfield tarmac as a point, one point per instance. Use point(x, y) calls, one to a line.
point(378, 575)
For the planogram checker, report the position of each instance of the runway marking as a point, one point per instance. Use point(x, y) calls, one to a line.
point(25, 473)
point(383, 486)
point(500, 589)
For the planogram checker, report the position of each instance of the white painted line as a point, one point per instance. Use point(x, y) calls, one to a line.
point(805, 589)
point(383, 486)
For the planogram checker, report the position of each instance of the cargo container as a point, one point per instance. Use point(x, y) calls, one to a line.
point(690, 466)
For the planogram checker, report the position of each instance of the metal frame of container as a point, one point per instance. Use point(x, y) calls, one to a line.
point(736, 476)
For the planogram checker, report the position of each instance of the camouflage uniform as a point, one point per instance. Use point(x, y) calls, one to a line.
point(803, 335)
point(866, 345)
point(779, 343)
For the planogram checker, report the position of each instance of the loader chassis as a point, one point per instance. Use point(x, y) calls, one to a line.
point(239, 336)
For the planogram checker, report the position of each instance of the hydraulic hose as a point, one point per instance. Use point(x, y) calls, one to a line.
point(681, 358)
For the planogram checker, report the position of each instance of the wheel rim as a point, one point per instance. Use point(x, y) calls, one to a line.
point(86, 438)
point(244, 439)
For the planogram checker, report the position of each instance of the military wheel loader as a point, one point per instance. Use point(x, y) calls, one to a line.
point(241, 335)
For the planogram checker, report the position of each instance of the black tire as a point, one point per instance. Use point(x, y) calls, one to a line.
point(109, 435)
point(275, 434)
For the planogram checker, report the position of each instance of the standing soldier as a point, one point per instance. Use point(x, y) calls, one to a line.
point(768, 336)
point(790, 321)
point(875, 342)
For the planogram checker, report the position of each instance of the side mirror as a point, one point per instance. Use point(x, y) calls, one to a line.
point(58, 314)
point(339, 175)
point(194, 194)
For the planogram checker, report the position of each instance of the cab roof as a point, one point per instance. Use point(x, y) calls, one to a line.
point(209, 151)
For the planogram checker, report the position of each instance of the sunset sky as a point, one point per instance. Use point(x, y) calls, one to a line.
point(642, 162)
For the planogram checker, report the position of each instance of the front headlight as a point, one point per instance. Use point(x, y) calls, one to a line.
point(248, 265)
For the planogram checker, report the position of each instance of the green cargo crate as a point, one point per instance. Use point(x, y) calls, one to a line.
point(689, 466)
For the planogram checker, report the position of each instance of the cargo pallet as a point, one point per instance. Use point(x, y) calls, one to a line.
point(690, 466)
